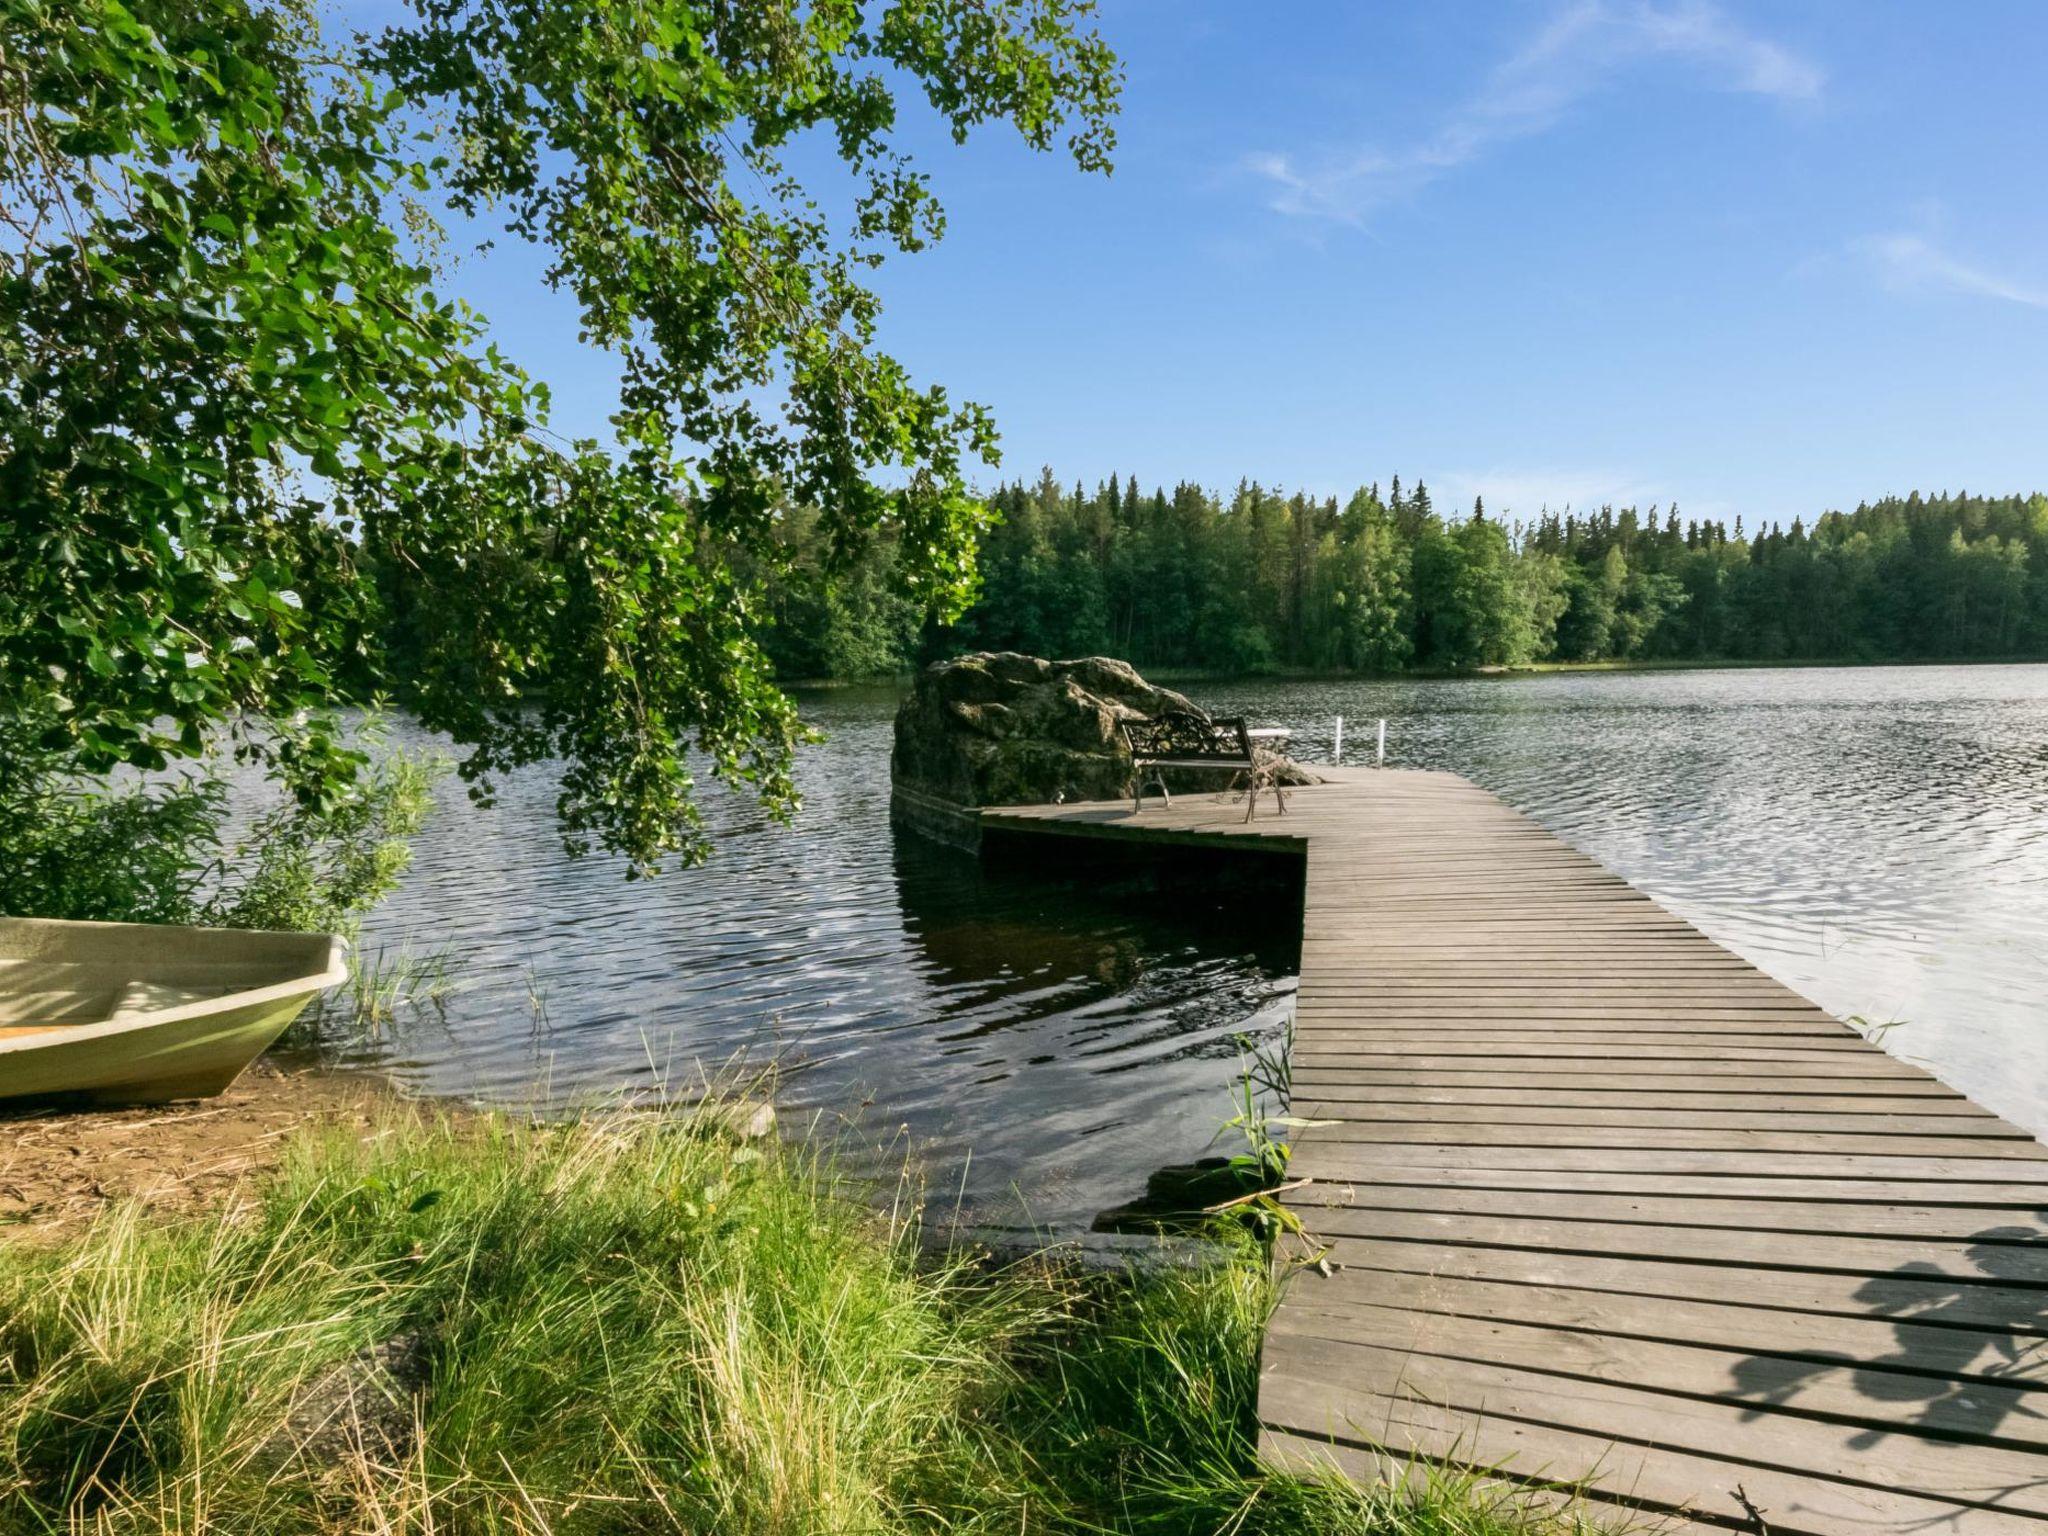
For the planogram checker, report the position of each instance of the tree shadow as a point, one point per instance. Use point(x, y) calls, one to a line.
point(1971, 1350)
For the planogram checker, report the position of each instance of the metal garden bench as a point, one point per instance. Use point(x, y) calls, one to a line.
point(1177, 740)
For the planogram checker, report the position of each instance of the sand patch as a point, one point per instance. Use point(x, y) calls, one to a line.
point(59, 1168)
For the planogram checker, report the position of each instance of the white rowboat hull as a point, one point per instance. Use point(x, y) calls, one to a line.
point(141, 1013)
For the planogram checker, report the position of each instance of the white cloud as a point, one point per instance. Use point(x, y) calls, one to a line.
point(1583, 45)
point(1525, 492)
point(1913, 263)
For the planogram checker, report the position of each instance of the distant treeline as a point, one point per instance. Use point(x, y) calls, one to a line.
point(1387, 583)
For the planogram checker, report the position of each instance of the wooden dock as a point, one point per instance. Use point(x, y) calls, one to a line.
point(1601, 1201)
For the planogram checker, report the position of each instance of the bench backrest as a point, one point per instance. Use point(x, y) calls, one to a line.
point(1188, 738)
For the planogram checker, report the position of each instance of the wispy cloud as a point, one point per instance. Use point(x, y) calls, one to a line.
point(1524, 492)
point(1583, 45)
point(1916, 263)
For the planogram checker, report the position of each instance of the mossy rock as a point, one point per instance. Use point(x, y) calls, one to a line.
point(1001, 728)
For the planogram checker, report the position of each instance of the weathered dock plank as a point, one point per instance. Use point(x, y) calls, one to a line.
point(1601, 1203)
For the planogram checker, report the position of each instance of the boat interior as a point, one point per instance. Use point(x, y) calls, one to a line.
point(57, 976)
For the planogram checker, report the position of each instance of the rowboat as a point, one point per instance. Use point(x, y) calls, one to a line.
point(142, 1013)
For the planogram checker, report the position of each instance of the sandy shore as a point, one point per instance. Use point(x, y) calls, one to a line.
point(58, 1169)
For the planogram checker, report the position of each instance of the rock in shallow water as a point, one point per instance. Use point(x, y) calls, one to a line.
point(1000, 728)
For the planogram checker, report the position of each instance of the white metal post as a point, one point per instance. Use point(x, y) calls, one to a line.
point(1337, 752)
point(1383, 746)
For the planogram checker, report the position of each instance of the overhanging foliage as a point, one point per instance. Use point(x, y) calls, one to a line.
point(238, 422)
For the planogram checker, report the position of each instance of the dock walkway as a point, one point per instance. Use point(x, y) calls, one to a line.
point(1602, 1201)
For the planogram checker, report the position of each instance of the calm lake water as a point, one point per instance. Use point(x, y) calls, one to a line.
point(1876, 838)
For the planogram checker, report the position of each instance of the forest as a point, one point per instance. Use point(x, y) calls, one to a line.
point(1386, 583)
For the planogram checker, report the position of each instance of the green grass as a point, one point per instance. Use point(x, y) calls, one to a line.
point(629, 1324)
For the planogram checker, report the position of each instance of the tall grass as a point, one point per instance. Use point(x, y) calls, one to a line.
point(630, 1323)
point(384, 982)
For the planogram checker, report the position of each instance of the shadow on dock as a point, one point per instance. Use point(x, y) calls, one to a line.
point(1972, 1352)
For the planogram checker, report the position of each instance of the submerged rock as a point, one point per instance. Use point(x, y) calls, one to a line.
point(1000, 728)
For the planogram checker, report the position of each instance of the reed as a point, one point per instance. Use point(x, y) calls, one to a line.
point(382, 985)
point(632, 1322)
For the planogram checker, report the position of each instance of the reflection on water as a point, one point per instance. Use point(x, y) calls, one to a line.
point(1877, 838)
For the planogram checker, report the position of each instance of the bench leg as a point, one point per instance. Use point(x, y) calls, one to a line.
point(1263, 775)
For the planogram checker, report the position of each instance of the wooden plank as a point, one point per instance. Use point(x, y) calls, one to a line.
point(1565, 1042)
point(1370, 952)
point(1534, 1454)
point(1481, 1086)
point(1379, 926)
point(2014, 1311)
point(1692, 1101)
point(1687, 960)
point(1851, 1390)
point(1555, 969)
point(1973, 1475)
point(1428, 902)
point(1477, 863)
point(1382, 930)
point(1596, 1193)
point(1797, 1501)
point(1372, 1168)
point(1434, 899)
point(1930, 1353)
point(1534, 1048)
point(1703, 1035)
point(1878, 1257)
point(1385, 923)
point(1564, 882)
point(1799, 1144)
point(1369, 939)
point(1517, 963)
point(1329, 1011)
point(1975, 1224)
point(1592, 1036)
point(1586, 1027)
point(1318, 1157)
point(1493, 1500)
point(1545, 1001)
point(1894, 1123)
point(1521, 998)
point(1397, 993)
point(1872, 1066)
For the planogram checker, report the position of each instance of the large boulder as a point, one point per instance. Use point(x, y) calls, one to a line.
point(999, 728)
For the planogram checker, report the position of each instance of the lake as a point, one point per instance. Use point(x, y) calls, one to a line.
point(1877, 838)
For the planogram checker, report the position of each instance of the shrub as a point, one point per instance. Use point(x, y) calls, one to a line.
point(155, 851)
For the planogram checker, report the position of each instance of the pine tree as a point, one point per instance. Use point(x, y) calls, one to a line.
point(1378, 586)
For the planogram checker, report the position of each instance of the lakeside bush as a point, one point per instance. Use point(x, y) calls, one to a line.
point(629, 1323)
point(82, 847)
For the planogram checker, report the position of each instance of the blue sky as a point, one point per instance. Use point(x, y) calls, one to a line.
point(1760, 259)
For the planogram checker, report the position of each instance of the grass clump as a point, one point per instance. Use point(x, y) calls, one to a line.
point(624, 1324)
point(381, 985)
